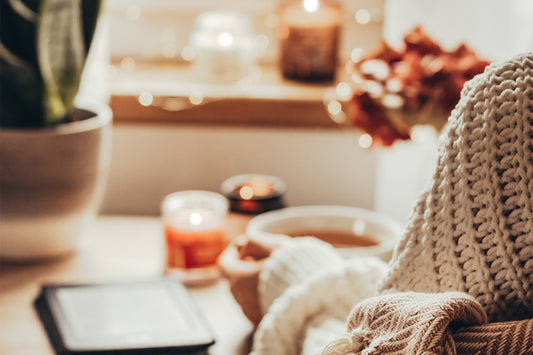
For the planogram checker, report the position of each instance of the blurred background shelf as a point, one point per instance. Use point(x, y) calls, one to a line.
point(166, 92)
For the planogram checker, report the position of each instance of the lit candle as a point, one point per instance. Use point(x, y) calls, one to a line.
point(193, 223)
point(224, 45)
point(254, 193)
point(309, 35)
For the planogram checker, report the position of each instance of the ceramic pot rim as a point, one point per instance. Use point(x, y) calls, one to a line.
point(102, 117)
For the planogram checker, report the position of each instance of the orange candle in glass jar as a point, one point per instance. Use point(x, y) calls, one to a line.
point(193, 225)
point(309, 35)
point(191, 245)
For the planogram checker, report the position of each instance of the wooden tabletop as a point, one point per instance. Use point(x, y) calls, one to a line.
point(113, 248)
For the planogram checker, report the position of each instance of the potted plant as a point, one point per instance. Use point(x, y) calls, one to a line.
point(54, 154)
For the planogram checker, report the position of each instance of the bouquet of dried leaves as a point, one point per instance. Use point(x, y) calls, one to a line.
point(394, 90)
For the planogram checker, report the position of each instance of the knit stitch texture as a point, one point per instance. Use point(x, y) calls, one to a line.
point(409, 323)
point(303, 285)
point(472, 231)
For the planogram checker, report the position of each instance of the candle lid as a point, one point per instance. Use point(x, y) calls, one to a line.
point(230, 186)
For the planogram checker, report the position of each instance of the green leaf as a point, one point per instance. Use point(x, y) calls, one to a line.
point(61, 51)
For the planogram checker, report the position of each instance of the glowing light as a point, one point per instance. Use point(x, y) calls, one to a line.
point(418, 135)
point(145, 98)
point(394, 85)
point(377, 68)
point(127, 64)
point(359, 227)
point(365, 141)
point(246, 192)
point(334, 107)
point(188, 53)
point(225, 39)
point(195, 219)
point(311, 5)
point(392, 101)
point(356, 54)
point(362, 16)
point(196, 98)
point(373, 88)
point(344, 91)
point(174, 104)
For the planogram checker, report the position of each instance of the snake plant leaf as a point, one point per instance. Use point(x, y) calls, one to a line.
point(43, 48)
point(61, 52)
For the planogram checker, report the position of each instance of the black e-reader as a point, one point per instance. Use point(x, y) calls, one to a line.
point(142, 317)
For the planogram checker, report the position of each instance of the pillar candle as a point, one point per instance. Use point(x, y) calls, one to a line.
point(309, 35)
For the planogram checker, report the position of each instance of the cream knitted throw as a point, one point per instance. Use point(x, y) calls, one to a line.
point(308, 290)
point(431, 324)
point(472, 231)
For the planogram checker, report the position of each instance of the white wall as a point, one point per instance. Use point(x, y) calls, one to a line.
point(320, 166)
point(495, 29)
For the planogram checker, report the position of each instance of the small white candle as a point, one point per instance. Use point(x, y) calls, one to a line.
point(224, 45)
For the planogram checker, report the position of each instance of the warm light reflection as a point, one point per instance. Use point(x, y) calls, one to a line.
point(373, 88)
point(344, 91)
point(394, 85)
point(225, 39)
point(392, 101)
point(311, 5)
point(188, 53)
point(418, 134)
point(365, 141)
point(334, 107)
point(246, 192)
point(256, 186)
point(362, 16)
point(196, 98)
point(359, 227)
point(145, 98)
point(195, 219)
point(356, 54)
point(127, 64)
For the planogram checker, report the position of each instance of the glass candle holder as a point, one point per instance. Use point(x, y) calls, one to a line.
point(224, 44)
point(309, 32)
point(254, 193)
point(194, 229)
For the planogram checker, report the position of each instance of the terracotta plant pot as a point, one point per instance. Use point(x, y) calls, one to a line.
point(51, 184)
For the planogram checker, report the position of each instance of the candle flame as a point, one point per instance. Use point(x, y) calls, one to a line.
point(195, 219)
point(311, 5)
point(225, 39)
point(246, 192)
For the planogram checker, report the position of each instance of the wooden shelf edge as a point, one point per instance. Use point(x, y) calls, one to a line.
point(226, 111)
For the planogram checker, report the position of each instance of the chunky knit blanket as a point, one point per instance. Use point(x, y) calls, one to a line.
point(461, 278)
point(448, 323)
point(472, 231)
